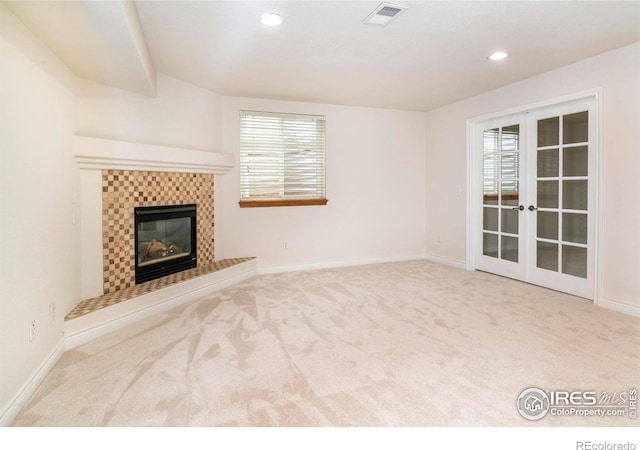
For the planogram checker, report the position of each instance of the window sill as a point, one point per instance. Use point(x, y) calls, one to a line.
point(271, 203)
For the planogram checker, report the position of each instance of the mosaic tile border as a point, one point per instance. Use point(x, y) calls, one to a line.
point(124, 190)
point(103, 301)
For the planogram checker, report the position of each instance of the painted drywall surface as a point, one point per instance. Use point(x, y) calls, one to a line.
point(181, 115)
point(375, 187)
point(617, 72)
point(39, 261)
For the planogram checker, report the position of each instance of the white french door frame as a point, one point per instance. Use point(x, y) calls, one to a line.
point(474, 176)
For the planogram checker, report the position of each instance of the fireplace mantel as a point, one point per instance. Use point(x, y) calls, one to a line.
point(97, 154)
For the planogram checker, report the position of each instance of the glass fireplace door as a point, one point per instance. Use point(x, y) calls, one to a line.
point(165, 240)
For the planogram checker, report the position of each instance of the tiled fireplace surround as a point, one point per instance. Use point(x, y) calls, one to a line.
point(115, 178)
point(124, 190)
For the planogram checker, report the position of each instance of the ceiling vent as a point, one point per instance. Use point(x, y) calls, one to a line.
point(384, 14)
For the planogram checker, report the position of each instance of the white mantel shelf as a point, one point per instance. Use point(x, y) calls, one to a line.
point(97, 154)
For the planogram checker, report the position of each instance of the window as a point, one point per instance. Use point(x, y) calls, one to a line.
point(282, 159)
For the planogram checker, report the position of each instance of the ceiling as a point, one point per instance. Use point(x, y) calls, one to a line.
point(101, 41)
point(432, 54)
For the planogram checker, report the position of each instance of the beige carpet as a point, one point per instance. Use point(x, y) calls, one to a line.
point(412, 343)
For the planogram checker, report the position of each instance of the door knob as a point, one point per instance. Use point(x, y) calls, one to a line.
point(520, 208)
point(532, 208)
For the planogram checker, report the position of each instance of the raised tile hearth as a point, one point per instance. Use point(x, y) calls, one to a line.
point(100, 315)
point(103, 301)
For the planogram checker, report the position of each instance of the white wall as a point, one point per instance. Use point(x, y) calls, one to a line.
point(39, 261)
point(181, 115)
point(618, 74)
point(375, 186)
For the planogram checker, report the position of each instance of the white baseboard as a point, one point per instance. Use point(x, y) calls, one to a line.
point(617, 305)
point(446, 261)
point(334, 264)
point(86, 328)
point(29, 388)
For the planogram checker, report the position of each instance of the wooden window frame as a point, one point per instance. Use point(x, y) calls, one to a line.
point(271, 203)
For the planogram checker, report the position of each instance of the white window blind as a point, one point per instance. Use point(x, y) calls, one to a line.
point(282, 156)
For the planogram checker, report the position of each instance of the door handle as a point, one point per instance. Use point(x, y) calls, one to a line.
point(519, 208)
point(532, 208)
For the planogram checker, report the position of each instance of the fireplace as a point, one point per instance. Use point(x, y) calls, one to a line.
point(165, 241)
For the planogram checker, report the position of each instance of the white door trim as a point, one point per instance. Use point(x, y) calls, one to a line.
point(473, 185)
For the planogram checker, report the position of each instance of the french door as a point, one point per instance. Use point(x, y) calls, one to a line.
point(535, 213)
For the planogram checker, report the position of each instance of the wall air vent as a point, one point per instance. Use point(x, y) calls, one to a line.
point(384, 14)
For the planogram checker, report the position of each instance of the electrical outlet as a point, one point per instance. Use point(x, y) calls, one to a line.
point(52, 312)
point(32, 330)
point(285, 244)
point(439, 239)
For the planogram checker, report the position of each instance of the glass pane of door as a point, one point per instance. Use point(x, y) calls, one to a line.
point(501, 193)
point(562, 193)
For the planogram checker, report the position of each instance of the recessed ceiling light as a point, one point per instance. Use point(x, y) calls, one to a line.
point(497, 56)
point(271, 19)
